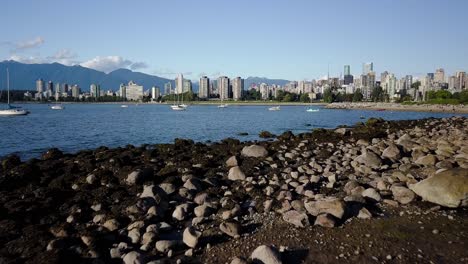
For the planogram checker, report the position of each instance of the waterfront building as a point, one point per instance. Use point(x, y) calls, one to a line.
point(187, 86)
point(439, 76)
point(461, 80)
point(168, 88)
point(383, 76)
point(390, 86)
point(123, 91)
point(155, 93)
point(237, 88)
point(40, 86)
point(264, 91)
point(179, 82)
point(347, 70)
point(367, 67)
point(204, 87)
point(95, 90)
point(133, 91)
point(223, 87)
point(64, 88)
point(57, 88)
point(75, 91)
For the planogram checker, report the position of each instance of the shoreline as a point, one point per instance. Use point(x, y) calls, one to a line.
point(456, 109)
point(211, 203)
point(189, 103)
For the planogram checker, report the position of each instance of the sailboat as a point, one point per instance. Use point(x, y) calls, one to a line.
point(222, 105)
point(177, 107)
point(274, 108)
point(310, 109)
point(11, 110)
point(57, 106)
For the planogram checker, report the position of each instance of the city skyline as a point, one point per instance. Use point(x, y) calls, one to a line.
point(301, 41)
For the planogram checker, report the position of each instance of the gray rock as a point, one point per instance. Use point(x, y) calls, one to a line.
point(111, 224)
point(134, 177)
point(255, 151)
point(236, 174)
point(372, 194)
point(203, 210)
point(90, 179)
point(333, 206)
point(231, 229)
point(296, 218)
point(133, 257)
point(165, 245)
point(238, 260)
point(370, 159)
point(168, 188)
point(180, 212)
point(232, 162)
point(402, 194)
point(391, 152)
point(342, 131)
point(427, 160)
point(190, 236)
point(266, 255)
point(448, 188)
point(325, 220)
point(364, 214)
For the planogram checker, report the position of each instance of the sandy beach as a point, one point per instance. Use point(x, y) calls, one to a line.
point(461, 109)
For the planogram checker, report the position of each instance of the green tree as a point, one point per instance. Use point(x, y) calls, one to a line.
point(304, 98)
point(416, 85)
point(328, 96)
point(357, 96)
point(288, 98)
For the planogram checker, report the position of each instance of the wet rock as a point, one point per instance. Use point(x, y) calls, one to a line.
point(448, 188)
point(231, 229)
point(402, 194)
point(265, 134)
point(266, 255)
point(296, 218)
point(325, 220)
point(255, 151)
point(236, 174)
point(191, 236)
point(53, 153)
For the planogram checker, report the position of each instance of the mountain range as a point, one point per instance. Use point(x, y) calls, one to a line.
point(23, 77)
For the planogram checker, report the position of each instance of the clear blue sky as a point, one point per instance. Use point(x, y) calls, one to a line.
point(290, 39)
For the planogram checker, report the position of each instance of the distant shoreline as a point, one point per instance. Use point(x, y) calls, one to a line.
point(189, 103)
point(458, 109)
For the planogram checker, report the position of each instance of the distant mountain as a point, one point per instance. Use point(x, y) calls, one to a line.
point(24, 76)
point(258, 80)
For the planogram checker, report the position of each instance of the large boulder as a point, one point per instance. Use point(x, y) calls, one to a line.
point(448, 188)
point(296, 218)
point(402, 194)
point(332, 206)
point(392, 152)
point(255, 151)
point(369, 158)
point(266, 255)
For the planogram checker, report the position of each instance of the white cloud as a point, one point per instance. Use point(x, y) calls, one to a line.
point(106, 63)
point(138, 65)
point(63, 56)
point(29, 44)
point(27, 59)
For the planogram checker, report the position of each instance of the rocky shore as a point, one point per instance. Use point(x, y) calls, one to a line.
point(462, 109)
point(379, 192)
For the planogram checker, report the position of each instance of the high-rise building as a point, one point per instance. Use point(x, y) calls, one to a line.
point(187, 86)
point(155, 93)
point(40, 86)
point(168, 88)
point(223, 87)
point(64, 88)
point(264, 91)
point(237, 88)
point(383, 76)
point(439, 76)
point(430, 75)
point(75, 91)
point(367, 67)
point(133, 91)
point(347, 70)
point(123, 91)
point(179, 82)
point(57, 88)
point(50, 86)
point(390, 85)
point(461, 80)
point(95, 90)
point(204, 87)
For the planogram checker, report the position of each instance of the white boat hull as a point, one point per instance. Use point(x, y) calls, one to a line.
point(124, 106)
point(275, 108)
point(57, 107)
point(13, 112)
point(223, 106)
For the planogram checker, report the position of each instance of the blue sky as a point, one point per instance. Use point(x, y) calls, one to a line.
point(290, 39)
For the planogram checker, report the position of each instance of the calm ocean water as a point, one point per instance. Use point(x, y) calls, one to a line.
point(85, 126)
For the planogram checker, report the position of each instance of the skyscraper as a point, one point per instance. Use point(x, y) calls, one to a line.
point(237, 88)
point(347, 70)
point(223, 87)
point(133, 91)
point(439, 76)
point(461, 80)
point(168, 88)
point(155, 93)
point(95, 90)
point(123, 91)
point(187, 86)
point(75, 91)
point(203, 90)
point(367, 67)
point(40, 86)
point(179, 81)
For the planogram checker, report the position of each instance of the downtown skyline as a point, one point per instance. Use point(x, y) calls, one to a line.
point(276, 40)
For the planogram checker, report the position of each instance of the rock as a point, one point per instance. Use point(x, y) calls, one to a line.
point(448, 188)
point(111, 225)
point(364, 214)
point(10, 162)
point(180, 212)
point(266, 255)
point(296, 218)
point(133, 257)
point(238, 260)
point(168, 188)
point(190, 236)
point(236, 174)
point(392, 152)
point(231, 229)
point(134, 177)
point(265, 134)
point(427, 160)
point(53, 153)
point(333, 206)
point(232, 162)
point(325, 220)
point(402, 194)
point(372, 194)
point(91, 179)
point(165, 245)
point(255, 151)
point(370, 159)
point(203, 210)
point(342, 131)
